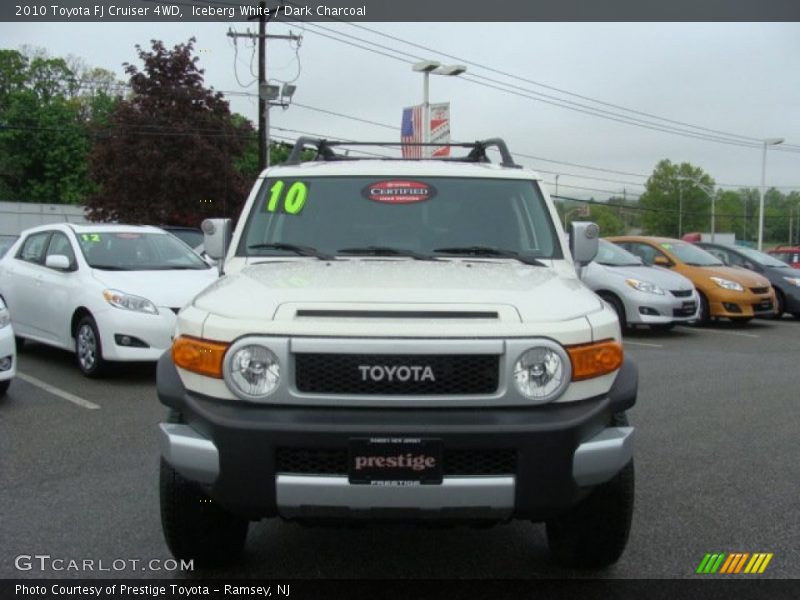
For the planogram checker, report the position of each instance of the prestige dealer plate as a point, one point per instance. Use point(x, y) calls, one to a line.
point(395, 461)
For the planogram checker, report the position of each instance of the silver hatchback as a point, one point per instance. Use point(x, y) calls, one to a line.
point(641, 295)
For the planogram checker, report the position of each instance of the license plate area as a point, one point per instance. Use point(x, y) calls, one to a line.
point(395, 461)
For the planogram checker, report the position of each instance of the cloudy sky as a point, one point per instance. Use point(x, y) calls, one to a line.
point(730, 79)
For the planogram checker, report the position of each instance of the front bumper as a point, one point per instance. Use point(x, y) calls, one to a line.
point(153, 331)
point(7, 351)
point(233, 449)
point(653, 309)
point(746, 304)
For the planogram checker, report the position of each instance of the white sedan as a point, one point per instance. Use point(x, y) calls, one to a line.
point(8, 357)
point(106, 292)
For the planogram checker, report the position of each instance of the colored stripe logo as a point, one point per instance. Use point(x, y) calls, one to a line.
point(734, 563)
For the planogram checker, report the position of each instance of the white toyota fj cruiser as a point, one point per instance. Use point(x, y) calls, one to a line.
point(398, 339)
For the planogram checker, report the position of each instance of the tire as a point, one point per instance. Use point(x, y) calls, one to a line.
point(20, 343)
point(780, 303)
point(594, 533)
point(4, 387)
point(704, 314)
point(619, 308)
point(194, 527)
point(89, 349)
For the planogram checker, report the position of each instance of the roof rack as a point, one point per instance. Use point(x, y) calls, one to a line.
point(477, 154)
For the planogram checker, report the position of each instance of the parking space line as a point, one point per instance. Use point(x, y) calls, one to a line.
point(58, 392)
point(750, 335)
point(643, 344)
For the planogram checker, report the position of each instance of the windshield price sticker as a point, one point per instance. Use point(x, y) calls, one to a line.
point(90, 237)
point(398, 192)
point(289, 200)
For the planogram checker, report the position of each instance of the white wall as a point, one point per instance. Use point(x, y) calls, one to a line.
point(18, 216)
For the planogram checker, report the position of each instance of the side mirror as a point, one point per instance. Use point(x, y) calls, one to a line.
point(662, 261)
point(216, 237)
point(58, 261)
point(584, 240)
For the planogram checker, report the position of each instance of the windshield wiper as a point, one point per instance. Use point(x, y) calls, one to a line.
point(110, 268)
point(608, 264)
point(301, 250)
point(388, 251)
point(694, 264)
point(489, 251)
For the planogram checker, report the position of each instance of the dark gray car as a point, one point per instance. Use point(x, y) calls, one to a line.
point(784, 279)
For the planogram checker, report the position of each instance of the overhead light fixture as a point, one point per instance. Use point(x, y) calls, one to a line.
point(288, 90)
point(426, 66)
point(267, 91)
point(451, 70)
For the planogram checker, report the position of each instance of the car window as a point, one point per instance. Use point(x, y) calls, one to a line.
point(6, 241)
point(33, 247)
point(59, 244)
point(644, 251)
point(726, 257)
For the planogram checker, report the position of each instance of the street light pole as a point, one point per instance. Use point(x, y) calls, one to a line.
point(766, 142)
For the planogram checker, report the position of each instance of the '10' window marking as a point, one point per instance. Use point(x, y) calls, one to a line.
point(293, 201)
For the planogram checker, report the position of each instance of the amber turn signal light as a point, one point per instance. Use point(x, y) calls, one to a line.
point(199, 356)
point(596, 359)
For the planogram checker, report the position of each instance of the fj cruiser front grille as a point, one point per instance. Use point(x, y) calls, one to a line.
point(396, 374)
point(333, 461)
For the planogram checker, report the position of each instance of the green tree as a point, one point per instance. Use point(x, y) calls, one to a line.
point(607, 219)
point(674, 200)
point(170, 151)
point(45, 129)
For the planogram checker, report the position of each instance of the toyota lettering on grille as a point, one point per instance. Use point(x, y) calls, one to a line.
point(391, 373)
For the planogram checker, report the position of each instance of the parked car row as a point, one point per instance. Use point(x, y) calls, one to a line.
point(112, 292)
point(661, 281)
point(105, 292)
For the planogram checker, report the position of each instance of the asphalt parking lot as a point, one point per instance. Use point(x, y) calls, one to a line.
point(716, 463)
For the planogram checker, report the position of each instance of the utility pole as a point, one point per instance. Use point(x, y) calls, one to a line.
point(264, 15)
point(263, 150)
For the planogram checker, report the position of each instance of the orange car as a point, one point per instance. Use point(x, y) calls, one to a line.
point(730, 292)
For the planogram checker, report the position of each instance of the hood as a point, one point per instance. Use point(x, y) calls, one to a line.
point(532, 293)
point(172, 288)
point(663, 278)
point(700, 275)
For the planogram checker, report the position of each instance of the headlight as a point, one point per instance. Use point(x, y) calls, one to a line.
point(793, 280)
point(129, 302)
point(644, 286)
point(252, 371)
point(542, 373)
point(727, 284)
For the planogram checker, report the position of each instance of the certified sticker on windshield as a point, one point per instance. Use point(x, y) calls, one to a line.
point(397, 191)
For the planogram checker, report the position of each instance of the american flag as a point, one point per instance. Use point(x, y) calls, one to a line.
point(411, 131)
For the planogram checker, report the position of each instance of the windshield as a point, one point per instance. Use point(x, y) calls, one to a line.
point(191, 237)
point(613, 256)
point(336, 215)
point(691, 254)
point(137, 251)
point(760, 257)
point(787, 257)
